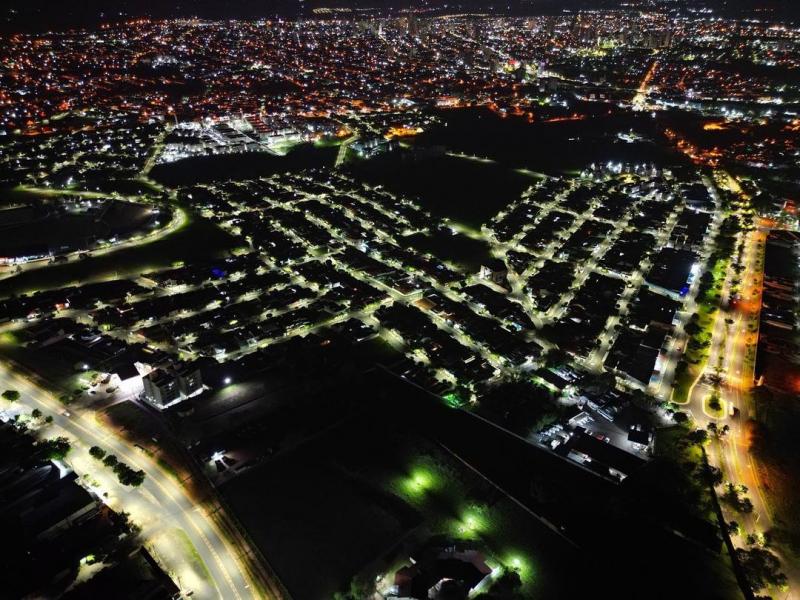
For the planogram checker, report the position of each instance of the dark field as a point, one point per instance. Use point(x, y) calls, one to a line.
point(198, 239)
point(460, 249)
point(552, 148)
point(471, 190)
point(465, 191)
point(343, 503)
point(121, 219)
point(205, 169)
point(307, 516)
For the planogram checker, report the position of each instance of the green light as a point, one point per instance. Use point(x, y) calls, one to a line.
point(8, 338)
point(521, 565)
point(473, 522)
point(452, 400)
point(417, 484)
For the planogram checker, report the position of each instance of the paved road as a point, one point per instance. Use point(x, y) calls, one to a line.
point(161, 505)
point(342, 154)
point(735, 344)
point(734, 453)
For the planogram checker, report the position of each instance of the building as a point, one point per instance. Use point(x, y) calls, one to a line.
point(161, 388)
point(374, 146)
point(166, 386)
point(640, 436)
point(190, 380)
point(41, 501)
point(495, 271)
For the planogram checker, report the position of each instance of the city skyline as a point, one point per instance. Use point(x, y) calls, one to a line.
point(400, 301)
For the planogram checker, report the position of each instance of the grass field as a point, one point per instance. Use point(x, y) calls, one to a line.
point(304, 515)
point(465, 191)
point(707, 309)
point(469, 254)
point(177, 549)
point(197, 239)
point(248, 165)
point(672, 445)
point(353, 496)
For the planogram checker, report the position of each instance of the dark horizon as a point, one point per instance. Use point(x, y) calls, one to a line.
point(38, 15)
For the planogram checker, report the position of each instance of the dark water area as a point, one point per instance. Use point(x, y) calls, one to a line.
point(199, 239)
point(74, 230)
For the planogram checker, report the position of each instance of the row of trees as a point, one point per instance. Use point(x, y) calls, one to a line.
point(58, 448)
point(125, 474)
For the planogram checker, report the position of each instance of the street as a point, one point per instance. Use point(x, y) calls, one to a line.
point(733, 349)
point(160, 505)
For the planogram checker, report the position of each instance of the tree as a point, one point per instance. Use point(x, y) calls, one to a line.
point(761, 567)
point(734, 528)
point(97, 452)
point(520, 406)
point(110, 461)
point(11, 395)
point(360, 587)
point(699, 436)
point(138, 478)
point(733, 496)
point(714, 475)
point(507, 584)
point(48, 419)
point(128, 526)
point(36, 413)
point(692, 328)
point(680, 417)
point(644, 400)
point(681, 367)
point(555, 357)
point(745, 505)
point(55, 448)
point(128, 476)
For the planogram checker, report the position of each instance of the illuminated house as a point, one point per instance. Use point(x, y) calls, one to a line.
point(495, 271)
